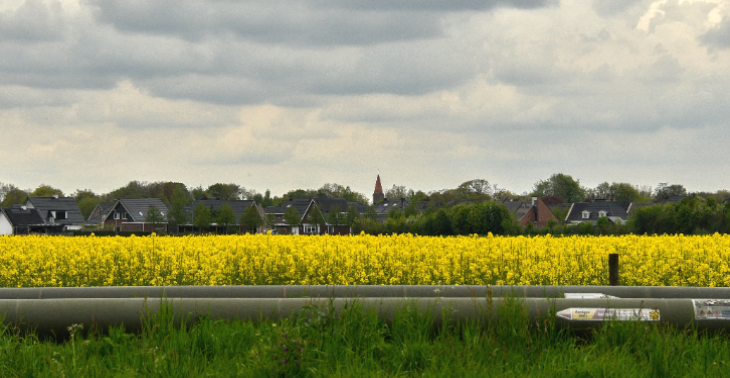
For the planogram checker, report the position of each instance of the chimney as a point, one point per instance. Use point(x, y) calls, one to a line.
point(534, 201)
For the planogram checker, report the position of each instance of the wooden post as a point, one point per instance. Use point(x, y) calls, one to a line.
point(613, 269)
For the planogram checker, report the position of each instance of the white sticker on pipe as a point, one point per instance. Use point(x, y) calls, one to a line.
point(604, 314)
point(711, 309)
point(588, 296)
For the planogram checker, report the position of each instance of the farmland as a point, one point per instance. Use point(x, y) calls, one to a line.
point(37, 261)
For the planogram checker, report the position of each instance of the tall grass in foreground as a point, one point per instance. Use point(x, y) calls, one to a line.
point(357, 344)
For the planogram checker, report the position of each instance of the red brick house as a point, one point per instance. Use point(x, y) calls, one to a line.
point(534, 212)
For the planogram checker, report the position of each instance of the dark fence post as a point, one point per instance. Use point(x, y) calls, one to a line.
point(613, 269)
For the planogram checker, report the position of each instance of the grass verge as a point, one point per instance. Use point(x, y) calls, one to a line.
point(357, 344)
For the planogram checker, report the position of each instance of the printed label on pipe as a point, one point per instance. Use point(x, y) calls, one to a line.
point(711, 309)
point(588, 296)
point(604, 314)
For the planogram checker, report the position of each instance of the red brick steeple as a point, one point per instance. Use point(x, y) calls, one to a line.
point(378, 195)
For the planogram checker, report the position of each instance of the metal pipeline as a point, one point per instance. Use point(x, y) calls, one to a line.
point(53, 316)
point(368, 291)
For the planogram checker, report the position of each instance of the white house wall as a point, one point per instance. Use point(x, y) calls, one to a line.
point(5, 227)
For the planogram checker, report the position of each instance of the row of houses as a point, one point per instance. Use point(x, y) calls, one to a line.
point(57, 215)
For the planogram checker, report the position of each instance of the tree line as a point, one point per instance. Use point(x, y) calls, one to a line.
point(700, 212)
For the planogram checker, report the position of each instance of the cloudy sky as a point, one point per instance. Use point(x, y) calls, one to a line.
point(297, 93)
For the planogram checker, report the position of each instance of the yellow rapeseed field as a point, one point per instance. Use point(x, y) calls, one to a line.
point(32, 261)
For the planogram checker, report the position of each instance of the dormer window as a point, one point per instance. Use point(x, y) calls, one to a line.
point(586, 214)
point(602, 213)
point(58, 214)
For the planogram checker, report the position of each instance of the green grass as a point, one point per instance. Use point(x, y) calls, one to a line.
point(357, 344)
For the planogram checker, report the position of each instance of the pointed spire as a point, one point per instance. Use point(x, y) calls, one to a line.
point(378, 195)
point(378, 187)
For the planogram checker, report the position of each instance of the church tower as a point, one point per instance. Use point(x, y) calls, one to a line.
point(378, 195)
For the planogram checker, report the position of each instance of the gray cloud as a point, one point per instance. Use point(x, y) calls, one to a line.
point(294, 22)
point(436, 5)
point(613, 7)
point(719, 37)
point(33, 21)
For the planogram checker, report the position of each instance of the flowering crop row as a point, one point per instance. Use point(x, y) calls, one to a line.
point(35, 261)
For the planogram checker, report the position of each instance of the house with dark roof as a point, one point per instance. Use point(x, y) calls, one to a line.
point(101, 210)
point(20, 220)
point(327, 205)
point(214, 204)
point(384, 208)
point(580, 212)
point(534, 212)
point(130, 215)
point(59, 214)
point(671, 199)
point(305, 209)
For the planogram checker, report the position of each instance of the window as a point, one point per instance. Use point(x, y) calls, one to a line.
point(311, 228)
point(602, 213)
point(116, 215)
point(586, 214)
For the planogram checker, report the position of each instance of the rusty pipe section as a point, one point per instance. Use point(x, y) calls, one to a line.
point(366, 291)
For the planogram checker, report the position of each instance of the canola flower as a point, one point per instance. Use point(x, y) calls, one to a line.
point(37, 261)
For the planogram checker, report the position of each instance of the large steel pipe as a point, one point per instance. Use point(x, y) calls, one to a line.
point(53, 316)
point(339, 291)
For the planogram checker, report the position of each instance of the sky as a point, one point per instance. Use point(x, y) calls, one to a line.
point(280, 95)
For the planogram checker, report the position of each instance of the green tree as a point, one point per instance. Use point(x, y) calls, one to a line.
point(352, 215)
point(134, 189)
point(225, 217)
point(291, 217)
point(270, 221)
point(438, 223)
point(316, 217)
point(624, 192)
point(177, 215)
point(370, 213)
point(396, 193)
point(87, 205)
point(251, 219)
point(339, 191)
point(227, 192)
point(14, 196)
point(664, 191)
point(4, 189)
point(46, 191)
point(168, 190)
point(475, 189)
point(154, 216)
point(87, 201)
point(561, 186)
point(335, 216)
point(198, 193)
point(411, 210)
point(603, 225)
point(202, 217)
